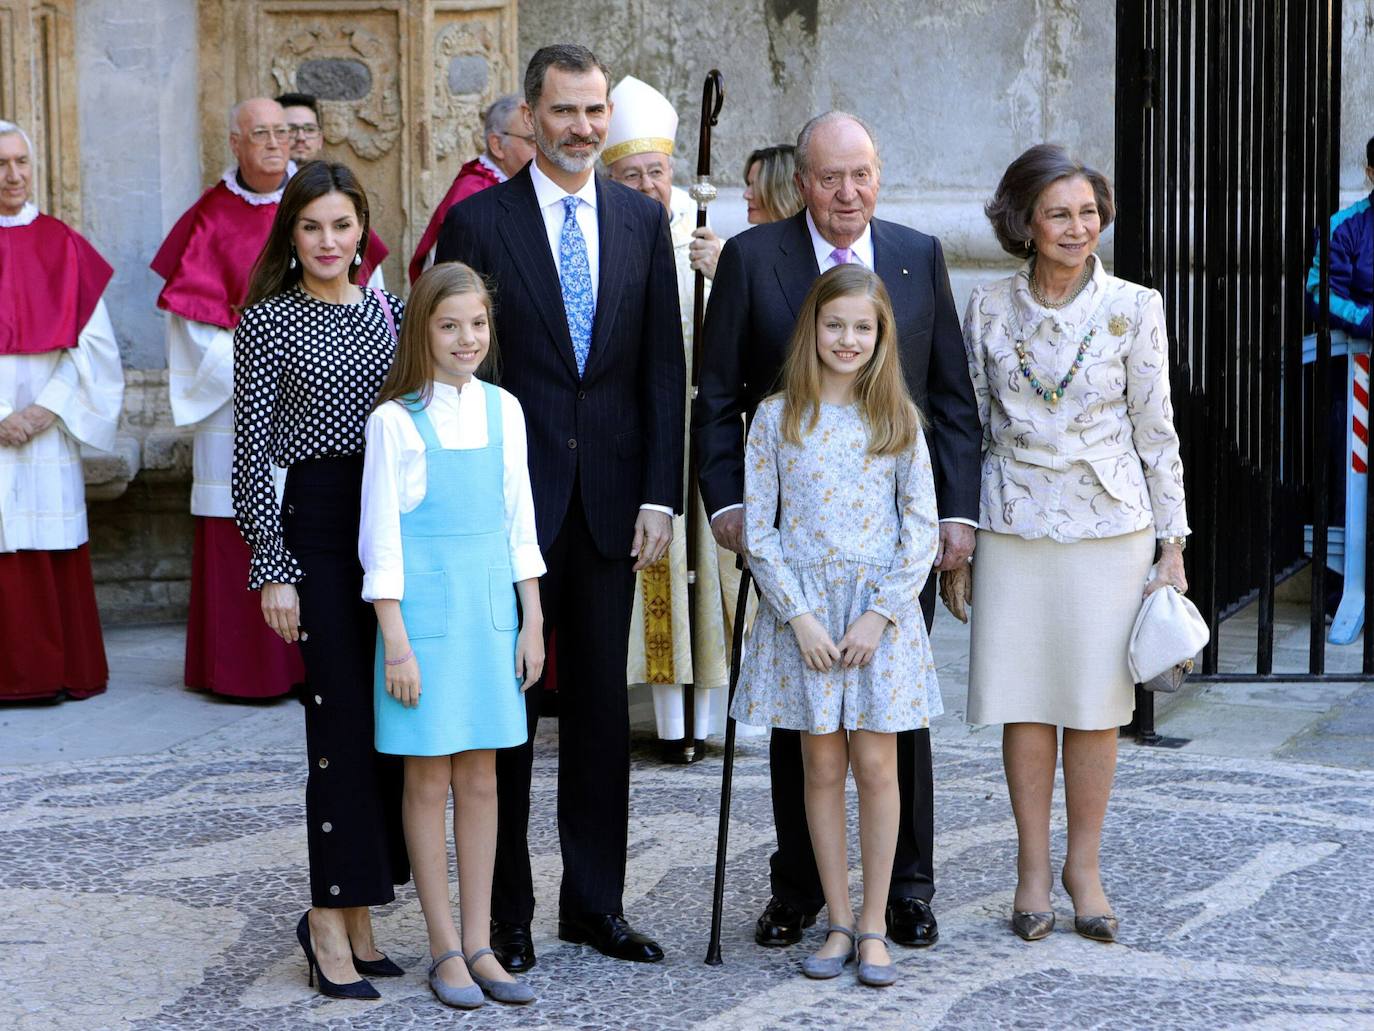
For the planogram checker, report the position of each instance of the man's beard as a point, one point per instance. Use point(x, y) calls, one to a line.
point(567, 162)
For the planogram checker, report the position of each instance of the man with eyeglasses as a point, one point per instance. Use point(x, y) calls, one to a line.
point(666, 649)
point(302, 113)
point(206, 261)
point(509, 146)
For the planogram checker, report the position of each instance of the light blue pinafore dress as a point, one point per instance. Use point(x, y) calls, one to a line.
point(459, 605)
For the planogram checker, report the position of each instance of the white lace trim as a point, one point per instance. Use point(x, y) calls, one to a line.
point(26, 215)
point(230, 178)
point(491, 166)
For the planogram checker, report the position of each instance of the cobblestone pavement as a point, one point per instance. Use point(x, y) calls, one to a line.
point(152, 871)
point(161, 892)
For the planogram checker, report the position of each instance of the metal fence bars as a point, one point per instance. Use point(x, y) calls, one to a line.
point(1227, 146)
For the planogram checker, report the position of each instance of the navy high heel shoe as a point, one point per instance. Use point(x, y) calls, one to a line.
point(384, 967)
point(361, 989)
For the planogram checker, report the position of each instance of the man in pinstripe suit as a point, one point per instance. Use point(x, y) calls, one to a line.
point(588, 324)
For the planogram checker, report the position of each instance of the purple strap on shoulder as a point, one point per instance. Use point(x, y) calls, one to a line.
point(386, 310)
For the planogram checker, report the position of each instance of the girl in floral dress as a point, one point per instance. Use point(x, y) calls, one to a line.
point(841, 532)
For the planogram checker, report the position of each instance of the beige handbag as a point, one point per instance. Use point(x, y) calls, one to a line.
point(1169, 631)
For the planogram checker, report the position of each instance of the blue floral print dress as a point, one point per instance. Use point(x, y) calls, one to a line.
point(853, 532)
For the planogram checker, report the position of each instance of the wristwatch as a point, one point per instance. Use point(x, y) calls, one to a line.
point(1182, 542)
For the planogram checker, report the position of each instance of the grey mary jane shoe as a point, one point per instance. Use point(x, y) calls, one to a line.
point(878, 975)
point(469, 997)
point(823, 968)
point(516, 992)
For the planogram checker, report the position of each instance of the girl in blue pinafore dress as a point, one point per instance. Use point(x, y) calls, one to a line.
point(447, 541)
point(841, 529)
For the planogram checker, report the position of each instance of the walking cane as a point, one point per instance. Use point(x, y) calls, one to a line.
point(712, 96)
point(728, 773)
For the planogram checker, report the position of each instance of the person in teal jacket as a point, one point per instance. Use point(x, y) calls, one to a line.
point(1352, 264)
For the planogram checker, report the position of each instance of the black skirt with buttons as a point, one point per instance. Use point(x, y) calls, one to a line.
point(352, 794)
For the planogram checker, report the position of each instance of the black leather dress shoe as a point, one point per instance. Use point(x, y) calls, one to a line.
point(911, 922)
point(610, 935)
point(781, 924)
point(512, 945)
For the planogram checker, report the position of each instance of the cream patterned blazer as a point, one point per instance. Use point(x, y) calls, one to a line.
point(1104, 460)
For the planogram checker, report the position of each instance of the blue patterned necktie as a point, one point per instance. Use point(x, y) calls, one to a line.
point(575, 279)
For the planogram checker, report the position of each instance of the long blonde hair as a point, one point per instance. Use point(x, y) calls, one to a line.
point(412, 371)
point(886, 406)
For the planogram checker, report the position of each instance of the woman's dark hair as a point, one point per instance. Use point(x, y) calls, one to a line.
point(273, 274)
point(1013, 205)
point(1369, 153)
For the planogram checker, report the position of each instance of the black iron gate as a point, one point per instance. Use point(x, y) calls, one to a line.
point(1227, 143)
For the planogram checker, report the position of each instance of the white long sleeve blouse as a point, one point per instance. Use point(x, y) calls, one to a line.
point(395, 479)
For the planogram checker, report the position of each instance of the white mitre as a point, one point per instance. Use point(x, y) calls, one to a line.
point(642, 122)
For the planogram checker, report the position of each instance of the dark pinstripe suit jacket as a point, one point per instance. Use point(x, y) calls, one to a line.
point(618, 430)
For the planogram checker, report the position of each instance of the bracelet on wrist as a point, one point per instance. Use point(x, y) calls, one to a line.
point(410, 653)
point(1179, 542)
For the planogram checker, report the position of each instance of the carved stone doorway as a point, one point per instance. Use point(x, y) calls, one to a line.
point(38, 93)
point(401, 83)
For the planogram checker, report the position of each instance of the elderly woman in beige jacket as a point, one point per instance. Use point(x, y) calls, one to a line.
point(1081, 486)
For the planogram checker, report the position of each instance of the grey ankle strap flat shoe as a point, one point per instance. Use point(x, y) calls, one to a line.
point(825, 967)
point(515, 992)
point(878, 975)
point(469, 997)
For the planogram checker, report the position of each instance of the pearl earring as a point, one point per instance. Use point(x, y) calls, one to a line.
point(293, 260)
point(357, 259)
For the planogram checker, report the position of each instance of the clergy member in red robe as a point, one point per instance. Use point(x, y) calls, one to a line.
point(206, 261)
point(61, 386)
point(510, 147)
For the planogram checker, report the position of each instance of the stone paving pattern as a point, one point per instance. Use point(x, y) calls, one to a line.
point(162, 892)
point(152, 869)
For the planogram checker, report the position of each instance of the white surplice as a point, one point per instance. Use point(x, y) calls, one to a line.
point(42, 490)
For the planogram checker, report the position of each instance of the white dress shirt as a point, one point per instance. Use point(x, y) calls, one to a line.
point(395, 478)
point(860, 251)
point(549, 196)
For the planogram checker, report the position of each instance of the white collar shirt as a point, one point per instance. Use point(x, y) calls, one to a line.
point(549, 196)
point(861, 250)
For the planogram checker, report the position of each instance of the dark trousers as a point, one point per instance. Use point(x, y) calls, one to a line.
point(588, 597)
point(352, 794)
point(792, 868)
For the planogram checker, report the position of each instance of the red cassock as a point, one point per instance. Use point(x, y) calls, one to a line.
point(471, 178)
point(51, 280)
point(207, 261)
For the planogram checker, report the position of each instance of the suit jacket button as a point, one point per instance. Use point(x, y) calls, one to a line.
point(582, 395)
point(572, 442)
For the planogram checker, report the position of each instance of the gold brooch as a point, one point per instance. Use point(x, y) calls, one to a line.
point(1117, 325)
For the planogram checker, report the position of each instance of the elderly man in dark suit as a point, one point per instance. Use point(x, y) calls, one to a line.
point(591, 337)
point(763, 277)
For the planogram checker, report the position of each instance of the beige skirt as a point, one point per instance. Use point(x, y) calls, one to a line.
point(1051, 627)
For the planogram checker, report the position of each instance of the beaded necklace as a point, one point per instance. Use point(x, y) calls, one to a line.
point(1054, 393)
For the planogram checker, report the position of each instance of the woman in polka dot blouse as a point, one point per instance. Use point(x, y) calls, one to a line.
point(309, 358)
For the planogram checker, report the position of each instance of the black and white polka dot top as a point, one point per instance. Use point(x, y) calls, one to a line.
point(306, 375)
